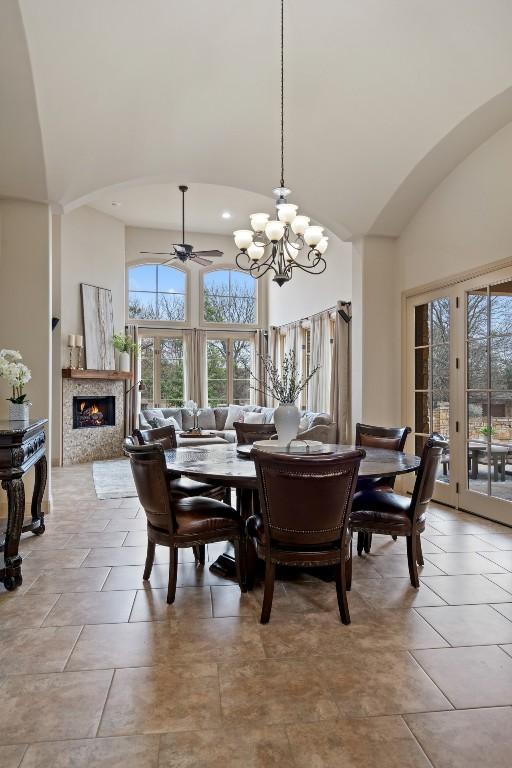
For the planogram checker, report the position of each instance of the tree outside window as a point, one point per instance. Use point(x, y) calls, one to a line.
point(156, 292)
point(229, 296)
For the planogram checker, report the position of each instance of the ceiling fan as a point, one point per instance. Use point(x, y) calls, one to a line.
point(184, 251)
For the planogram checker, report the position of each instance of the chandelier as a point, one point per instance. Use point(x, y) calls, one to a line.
point(288, 242)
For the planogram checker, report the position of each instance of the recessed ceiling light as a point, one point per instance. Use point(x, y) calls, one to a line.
point(226, 215)
point(115, 203)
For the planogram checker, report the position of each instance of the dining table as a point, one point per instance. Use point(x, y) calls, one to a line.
point(233, 467)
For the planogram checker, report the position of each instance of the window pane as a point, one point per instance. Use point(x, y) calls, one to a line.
point(217, 359)
point(422, 419)
point(422, 368)
point(229, 297)
point(171, 280)
point(441, 367)
point(142, 278)
point(441, 321)
point(501, 362)
point(441, 412)
point(501, 308)
point(147, 353)
point(171, 306)
point(422, 325)
point(242, 284)
point(477, 314)
point(142, 305)
point(241, 392)
point(477, 415)
point(171, 372)
point(477, 364)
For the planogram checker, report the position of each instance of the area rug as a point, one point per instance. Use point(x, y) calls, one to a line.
point(113, 479)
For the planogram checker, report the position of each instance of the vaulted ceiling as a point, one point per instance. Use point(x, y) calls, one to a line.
point(384, 98)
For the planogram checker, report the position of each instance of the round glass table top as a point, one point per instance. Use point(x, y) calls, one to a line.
point(224, 463)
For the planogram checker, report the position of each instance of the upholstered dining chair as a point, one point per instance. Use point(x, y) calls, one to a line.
point(180, 486)
point(250, 433)
point(381, 511)
point(192, 521)
point(391, 438)
point(305, 507)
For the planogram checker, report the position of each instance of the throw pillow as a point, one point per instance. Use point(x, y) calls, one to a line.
point(235, 413)
point(170, 422)
point(254, 418)
point(303, 424)
point(152, 414)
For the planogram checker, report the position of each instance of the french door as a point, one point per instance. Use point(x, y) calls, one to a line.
point(459, 385)
point(162, 370)
point(229, 362)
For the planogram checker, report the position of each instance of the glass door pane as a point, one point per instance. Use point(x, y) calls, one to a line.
point(432, 376)
point(171, 372)
point(147, 371)
point(242, 352)
point(217, 360)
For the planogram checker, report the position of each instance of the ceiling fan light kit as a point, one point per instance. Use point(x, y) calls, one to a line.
point(281, 244)
point(184, 251)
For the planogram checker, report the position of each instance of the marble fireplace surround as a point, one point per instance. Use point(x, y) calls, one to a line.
point(91, 443)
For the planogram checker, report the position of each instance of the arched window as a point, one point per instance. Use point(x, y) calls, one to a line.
point(229, 296)
point(156, 292)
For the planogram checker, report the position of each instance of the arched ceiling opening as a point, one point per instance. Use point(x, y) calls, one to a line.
point(165, 90)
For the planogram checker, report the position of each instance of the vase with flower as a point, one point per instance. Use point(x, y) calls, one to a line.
point(17, 375)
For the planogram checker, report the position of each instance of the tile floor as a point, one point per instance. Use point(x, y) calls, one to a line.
point(97, 670)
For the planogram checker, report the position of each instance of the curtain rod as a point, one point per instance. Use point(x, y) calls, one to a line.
point(315, 314)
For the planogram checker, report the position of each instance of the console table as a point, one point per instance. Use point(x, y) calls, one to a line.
point(22, 446)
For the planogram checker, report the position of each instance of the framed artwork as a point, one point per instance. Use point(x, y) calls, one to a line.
point(98, 319)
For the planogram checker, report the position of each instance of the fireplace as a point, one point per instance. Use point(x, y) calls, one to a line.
point(94, 411)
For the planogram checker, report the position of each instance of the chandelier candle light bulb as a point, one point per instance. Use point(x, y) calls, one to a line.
point(280, 244)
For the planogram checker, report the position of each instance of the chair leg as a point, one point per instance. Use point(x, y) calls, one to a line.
point(341, 593)
point(268, 594)
point(173, 574)
point(348, 569)
point(419, 551)
point(394, 538)
point(412, 553)
point(367, 543)
point(150, 557)
point(360, 543)
point(240, 560)
point(199, 553)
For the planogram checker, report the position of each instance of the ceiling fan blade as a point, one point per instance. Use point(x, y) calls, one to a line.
point(157, 253)
point(199, 260)
point(173, 258)
point(209, 254)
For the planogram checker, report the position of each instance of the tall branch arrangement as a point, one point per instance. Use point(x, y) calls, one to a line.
point(285, 384)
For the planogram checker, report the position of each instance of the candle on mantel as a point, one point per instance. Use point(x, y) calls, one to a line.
point(71, 340)
point(79, 341)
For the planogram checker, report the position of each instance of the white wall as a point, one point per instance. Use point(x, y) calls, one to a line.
point(25, 299)
point(161, 240)
point(306, 294)
point(92, 251)
point(466, 222)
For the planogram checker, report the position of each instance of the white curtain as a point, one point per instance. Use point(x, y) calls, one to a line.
point(293, 341)
point(196, 372)
point(259, 397)
point(319, 388)
point(132, 397)
point(341, 373)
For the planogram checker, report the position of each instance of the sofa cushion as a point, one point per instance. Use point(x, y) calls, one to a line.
point(268, 414)
point(221, 413)
point(143, 422)
point(152, 414)
point(206, 419)
point(235, 413)
point(303, 424)
point(169, 422)
point(175, 413)
point(254, 418)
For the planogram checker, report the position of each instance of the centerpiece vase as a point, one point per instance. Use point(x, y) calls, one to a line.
point(287, 420)
point(124, 362)
point(19, 411)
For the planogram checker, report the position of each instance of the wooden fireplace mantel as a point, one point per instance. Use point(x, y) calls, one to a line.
point(88, 373)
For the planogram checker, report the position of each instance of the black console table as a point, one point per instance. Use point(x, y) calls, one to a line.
point(22, 446)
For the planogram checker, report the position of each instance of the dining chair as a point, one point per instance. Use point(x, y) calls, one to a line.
point(379, 511)
point(305, 507)
point(249, 433)
point(391, 438)
point(180, 486)
point(173, 522)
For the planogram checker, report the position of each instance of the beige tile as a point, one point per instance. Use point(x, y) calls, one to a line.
point(317, 596)
point(503, 580)
point(393, 593)
point(57, 706)
point(451, 527)
point(505, 609)
point(102, 539)
point(10, 757)
point(469, 624)
point(63, 525)
point(120, 752)
point(504, 559)
point(480, 676)
point(466, 589)
point(162, 699)
point(62, 558)
point(324, 634)
point(134, 524)
point(91, 608)
point(377, 742)
point(190, 602)
point(476, 738)
point(229, 601)
point(460, 542)
point(499, 540)
point(454, 563)
point(130, 577)
point(123, 556)
point(46, 649)
point(385, 545)
point(273, 692)
point(70, 580)
point(49, 540)
point(397, 566)
point(24, 610)
point(239, 748)
point(379, 683)
point(196, 576)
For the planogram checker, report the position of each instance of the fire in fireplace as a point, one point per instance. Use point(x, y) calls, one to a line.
point(94, 412)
